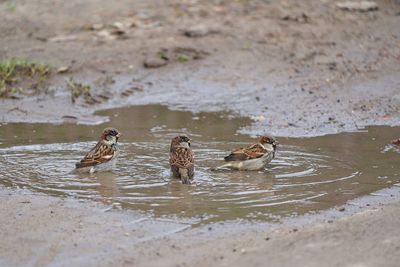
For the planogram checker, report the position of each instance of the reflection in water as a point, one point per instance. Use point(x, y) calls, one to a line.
point(108, 187)
point(307, 174)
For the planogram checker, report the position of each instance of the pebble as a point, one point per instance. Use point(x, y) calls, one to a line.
point(155, 62)
point(196, 31)
point(63, 69)
point(97, 27)
point(362, 6)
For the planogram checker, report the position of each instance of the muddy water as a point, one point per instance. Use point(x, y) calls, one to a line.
point(306, 176)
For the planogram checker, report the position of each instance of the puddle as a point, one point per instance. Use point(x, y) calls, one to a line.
point(308, 174)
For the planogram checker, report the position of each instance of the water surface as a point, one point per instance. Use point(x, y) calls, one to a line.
point(307, 175)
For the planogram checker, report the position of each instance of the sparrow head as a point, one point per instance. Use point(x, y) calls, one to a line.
point(110, 134)
point(264, 140)
point(180, 140)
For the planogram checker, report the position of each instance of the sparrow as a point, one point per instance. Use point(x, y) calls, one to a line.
point(181, 159)
point(252, 157)
point(101, 157)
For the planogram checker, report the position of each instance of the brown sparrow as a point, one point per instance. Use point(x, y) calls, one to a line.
point(181, 159)
point(103, 156)
point(252, 157)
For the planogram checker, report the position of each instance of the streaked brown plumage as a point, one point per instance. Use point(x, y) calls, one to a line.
point(102, 156)
point(252, 157)
point(181, 159)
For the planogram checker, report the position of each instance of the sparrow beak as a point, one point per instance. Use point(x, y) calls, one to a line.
point(118, 136)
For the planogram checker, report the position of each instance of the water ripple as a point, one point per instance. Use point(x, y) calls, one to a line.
point(142, 178)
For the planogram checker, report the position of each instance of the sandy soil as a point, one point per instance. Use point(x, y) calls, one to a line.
point(296, 67)
point(38, 230)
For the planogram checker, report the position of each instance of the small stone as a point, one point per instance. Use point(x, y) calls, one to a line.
point(119, 26)
point(106, 34)
point(63, 38)
point(302, 17)
point(257, 118)
point(97, 27)
point(361, 6)
point(155, 62)
point(63, 69)
point(332, 65)
point(196, 31)
point(267, 238)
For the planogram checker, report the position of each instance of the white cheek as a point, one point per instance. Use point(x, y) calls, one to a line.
point(269, 147)
point(112, 139)
point(184, 144)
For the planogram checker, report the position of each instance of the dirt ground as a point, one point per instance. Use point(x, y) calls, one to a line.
point(297, 68)
point(38, 230)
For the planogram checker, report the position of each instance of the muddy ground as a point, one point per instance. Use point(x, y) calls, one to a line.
point(68, 232)
point(297, 68)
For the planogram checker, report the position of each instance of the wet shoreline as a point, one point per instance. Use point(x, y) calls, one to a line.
point(85, 223)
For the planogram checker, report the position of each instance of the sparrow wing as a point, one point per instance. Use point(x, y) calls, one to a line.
point(99, 154)
point(246, 153)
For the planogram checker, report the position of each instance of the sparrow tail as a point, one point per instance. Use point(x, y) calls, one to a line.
point(184, 176)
